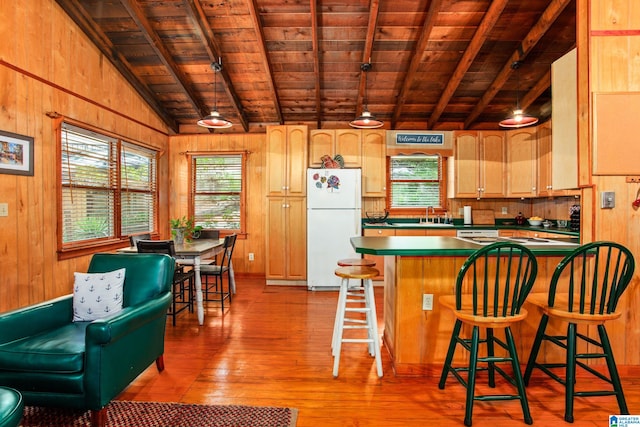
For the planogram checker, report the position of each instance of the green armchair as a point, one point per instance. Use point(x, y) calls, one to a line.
point(53, 361)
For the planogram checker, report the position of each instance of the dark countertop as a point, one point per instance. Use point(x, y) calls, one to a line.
point(413, 224)
point(439, 246)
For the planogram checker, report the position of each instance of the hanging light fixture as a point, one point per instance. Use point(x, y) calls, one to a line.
point(518, 119)
point(366, 120)
point(215, 120)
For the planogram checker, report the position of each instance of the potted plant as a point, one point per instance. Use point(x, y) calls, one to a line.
point(182, 229)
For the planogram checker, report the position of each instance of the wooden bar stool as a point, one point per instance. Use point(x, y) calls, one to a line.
point(353, 292)
point(352, 301)
point(356, 262)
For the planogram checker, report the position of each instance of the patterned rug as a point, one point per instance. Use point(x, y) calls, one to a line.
point(156, 414)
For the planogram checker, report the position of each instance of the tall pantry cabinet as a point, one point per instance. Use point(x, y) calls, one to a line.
point(286, 231)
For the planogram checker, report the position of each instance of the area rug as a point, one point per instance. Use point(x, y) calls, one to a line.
point(157, 414)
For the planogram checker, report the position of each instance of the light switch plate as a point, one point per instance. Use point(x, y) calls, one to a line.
point(608, 200)
point(4, 209)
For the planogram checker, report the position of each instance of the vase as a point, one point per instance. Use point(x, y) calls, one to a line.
point(178, 236)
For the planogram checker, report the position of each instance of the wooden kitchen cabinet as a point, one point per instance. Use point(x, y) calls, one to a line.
point(286, 239)
point(286, 224)
point(479, 164)
point(522, 163)
point(346, 142)
point(545, 170)
point(374, 163)
point(287, 160)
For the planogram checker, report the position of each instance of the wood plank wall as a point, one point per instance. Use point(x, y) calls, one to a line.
point(47, 65)
point(611, 47)
point(254, 241)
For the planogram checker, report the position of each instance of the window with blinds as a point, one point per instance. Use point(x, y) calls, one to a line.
point(415, 181)
point(218, 191)
point(108, 187)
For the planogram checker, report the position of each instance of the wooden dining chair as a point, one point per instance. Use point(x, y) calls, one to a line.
point(584, 292)
point(218, 271)
point(489, 292)
point(183, 280)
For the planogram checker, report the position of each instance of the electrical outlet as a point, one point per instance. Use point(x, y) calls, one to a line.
point(504, 210)
point(251, 258)
point(4, 209)
point(427, 301)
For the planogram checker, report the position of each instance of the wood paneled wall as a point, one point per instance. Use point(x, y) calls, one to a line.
point(612, 66)
point(255, 201)
point(48, 65)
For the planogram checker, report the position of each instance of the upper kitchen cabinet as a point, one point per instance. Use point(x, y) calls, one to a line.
point(374, 163)
point(545, 183)
point(564, 123)
point(287, 160)
point(522, 162)
point(346, 142)
point(479, 164)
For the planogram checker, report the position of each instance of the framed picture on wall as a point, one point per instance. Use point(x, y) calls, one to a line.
point(16, 154)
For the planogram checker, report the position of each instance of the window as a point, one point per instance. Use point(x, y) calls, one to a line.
point(218, 191)
point(108, 188)
point(415, 182)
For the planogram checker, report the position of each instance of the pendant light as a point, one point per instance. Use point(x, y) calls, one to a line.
point(215, 120)
point(366, 120)
point(518, 119)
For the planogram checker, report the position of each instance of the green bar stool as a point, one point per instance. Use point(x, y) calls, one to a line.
point(499, 277)
point(352, 302)
point(11, 407)
point(584, 291)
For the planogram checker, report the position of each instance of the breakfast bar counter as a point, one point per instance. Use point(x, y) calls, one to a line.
point(417, 339)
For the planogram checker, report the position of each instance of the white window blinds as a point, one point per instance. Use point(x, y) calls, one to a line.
point(217, 191)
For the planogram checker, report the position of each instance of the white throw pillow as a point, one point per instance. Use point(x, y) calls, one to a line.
point(97, 295)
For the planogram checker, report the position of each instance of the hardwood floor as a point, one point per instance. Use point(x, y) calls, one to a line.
point(272, 348)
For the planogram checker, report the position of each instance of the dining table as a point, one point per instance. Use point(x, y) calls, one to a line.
point(192, 253)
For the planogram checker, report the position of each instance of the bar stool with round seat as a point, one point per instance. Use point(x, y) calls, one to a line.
point(353, 292)
point(351, 304)
point(11, 407)
point(356, 262)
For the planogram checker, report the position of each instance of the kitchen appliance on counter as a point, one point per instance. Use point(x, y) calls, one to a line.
point(334, 215)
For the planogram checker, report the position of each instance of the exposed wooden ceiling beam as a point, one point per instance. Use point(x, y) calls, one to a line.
point(535, 34)
point(416, 58)
point(92, 30)
point(316, 61)
point(374, 8)
point(488, 21)
point(266, 63)
point(202, 28)
point(147, 30)
point(541, 85)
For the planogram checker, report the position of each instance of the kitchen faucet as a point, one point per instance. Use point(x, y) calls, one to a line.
point(432, 210)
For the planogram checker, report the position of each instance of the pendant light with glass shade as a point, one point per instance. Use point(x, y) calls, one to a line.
point(215, 120)
point(366, 120)
point(518, 119)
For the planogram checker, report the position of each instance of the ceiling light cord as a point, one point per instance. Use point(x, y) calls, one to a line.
point(366, 120)
point(215, 120)
point(518, 119)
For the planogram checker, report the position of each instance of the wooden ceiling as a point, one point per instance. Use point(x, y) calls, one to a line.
point(435, 64)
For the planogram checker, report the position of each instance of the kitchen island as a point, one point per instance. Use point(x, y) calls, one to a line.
point(417, 339)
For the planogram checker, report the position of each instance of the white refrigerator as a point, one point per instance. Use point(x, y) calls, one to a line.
point(334, 215)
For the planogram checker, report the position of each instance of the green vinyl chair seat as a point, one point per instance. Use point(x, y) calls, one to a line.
point(11, 407)
point(55, 350)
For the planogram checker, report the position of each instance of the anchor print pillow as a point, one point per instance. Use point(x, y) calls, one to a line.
point(97, 295)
